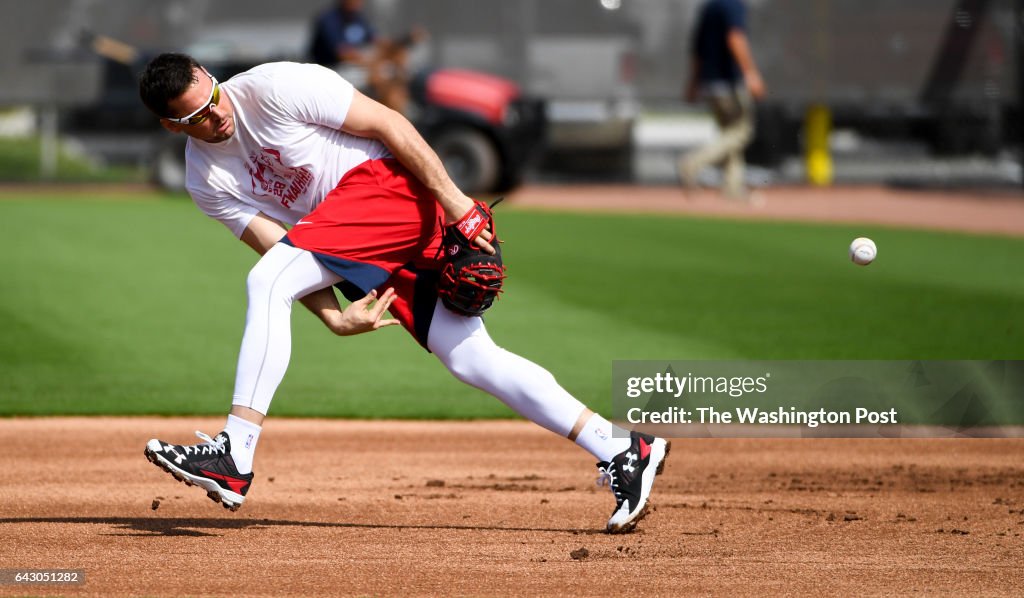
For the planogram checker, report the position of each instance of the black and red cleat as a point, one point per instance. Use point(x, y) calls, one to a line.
point(631, 475)
point(208, 465)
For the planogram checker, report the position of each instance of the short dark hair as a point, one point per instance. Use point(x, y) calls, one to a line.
point(166, 77)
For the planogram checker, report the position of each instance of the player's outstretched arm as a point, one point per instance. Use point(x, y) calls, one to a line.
point(368, 118)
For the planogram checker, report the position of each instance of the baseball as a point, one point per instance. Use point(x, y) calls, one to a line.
point(863, 251)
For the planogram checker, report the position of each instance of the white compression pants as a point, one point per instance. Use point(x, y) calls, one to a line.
point(462, 344)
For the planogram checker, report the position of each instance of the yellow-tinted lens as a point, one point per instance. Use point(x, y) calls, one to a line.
point(204, 113)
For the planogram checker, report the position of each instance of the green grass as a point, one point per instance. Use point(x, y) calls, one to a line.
point(20, 157)
point(136, 306)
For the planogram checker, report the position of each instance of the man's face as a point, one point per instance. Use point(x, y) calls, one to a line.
point(206, 102)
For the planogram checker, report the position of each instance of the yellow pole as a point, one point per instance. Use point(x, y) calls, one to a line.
point(818, 160)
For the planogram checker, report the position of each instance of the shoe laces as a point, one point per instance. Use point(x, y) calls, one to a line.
point(209, 445)
point(607, 477)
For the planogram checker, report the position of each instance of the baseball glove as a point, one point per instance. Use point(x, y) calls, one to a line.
point(471, 278)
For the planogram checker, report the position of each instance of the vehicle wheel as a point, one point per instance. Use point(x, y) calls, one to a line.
point(169, 164)
point(470, 159)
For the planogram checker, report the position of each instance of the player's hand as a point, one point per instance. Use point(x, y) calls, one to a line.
point(360, 316)
point(483, 240)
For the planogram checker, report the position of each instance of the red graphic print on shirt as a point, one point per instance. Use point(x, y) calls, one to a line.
point(271, 177)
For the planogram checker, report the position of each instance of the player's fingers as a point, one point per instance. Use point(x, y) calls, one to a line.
point(486, 234)
point(389, 322)
point(365, 301)
point(483, 244)
point(389, 301)
point(383, 303)
point(379, 310)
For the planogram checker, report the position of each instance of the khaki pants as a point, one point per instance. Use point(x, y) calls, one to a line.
point(734, 113)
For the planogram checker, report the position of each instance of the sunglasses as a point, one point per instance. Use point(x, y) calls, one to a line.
point(200, 116)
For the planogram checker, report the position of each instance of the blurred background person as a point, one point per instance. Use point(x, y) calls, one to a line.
point(343, 39)
point(723, 72)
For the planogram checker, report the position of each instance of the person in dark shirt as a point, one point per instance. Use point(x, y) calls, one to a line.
point(343, 39)
point(342, 34)
point(723, 71)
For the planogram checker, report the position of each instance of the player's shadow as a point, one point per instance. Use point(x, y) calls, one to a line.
point(198, 527)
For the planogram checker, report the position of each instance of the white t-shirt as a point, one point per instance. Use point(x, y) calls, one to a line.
point(287, 152)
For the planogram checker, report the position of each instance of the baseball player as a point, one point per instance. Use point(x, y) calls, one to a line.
point(295, 144)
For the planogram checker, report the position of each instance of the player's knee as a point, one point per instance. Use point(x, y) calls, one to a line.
point(488, 366)
point(258, 283)
point(474, 363)
point(264, 282)
point(465, 366)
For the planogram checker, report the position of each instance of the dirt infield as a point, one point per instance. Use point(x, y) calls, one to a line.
point(998, 212)
point(987, 212)
point(485, 508)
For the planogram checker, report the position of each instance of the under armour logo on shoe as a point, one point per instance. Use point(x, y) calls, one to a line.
point(629, 465)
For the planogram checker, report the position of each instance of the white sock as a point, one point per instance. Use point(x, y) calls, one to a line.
point(243, 435)
point(597, 438)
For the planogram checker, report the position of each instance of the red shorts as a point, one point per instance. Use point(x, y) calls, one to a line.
point(379, 228)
